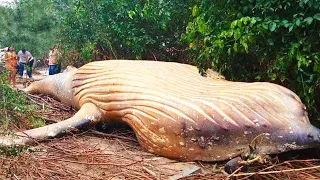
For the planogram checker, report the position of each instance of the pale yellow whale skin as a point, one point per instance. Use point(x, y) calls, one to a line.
point(177, 113)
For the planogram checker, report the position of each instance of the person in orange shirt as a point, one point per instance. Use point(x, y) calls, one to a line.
point(11, 65)
point(53, 64)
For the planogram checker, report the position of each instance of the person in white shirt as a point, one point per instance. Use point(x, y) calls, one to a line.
point(24, 57)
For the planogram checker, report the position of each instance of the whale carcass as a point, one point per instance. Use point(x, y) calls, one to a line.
point(175, 112)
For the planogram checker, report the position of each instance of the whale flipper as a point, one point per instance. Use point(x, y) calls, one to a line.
point(88, 114)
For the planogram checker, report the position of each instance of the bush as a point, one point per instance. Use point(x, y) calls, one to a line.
point(15, 108)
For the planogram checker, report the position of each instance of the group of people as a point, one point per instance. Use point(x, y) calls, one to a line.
point(17, 63)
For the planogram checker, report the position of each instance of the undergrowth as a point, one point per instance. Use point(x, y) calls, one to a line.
point(16, 110)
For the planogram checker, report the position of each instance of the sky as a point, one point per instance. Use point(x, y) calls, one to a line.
point(1, 1)
point(6, 2)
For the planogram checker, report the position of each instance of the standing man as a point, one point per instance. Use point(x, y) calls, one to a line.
point(24, 57)
point(53, 65)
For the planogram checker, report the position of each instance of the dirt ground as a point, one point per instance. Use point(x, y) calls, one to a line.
point(87, 156)
point(115, 154)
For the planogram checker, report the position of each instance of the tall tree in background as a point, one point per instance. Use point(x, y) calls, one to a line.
point(30, 25)
point(122, 29)
point(7, 28)
point(92, 30)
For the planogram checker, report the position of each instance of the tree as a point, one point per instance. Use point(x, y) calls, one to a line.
point(30, 25)
point(116, 29)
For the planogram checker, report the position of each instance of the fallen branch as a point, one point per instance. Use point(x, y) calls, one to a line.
point(275, 172)
point(41, 104)
point(153, 174)
point(94, 132)
point(99, 164)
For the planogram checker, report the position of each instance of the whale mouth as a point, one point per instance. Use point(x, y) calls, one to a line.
point(311, 138)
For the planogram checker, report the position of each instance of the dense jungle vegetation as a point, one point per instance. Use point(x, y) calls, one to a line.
point(246, 40)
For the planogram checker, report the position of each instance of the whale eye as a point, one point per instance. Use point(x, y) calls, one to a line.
point(310, 136)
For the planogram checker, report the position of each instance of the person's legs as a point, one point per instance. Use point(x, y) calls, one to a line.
point(29, 72)
point(21, 69)
point(9, 78)
point(52, 69)
point(12, 78)
point(58, 68)
point(14, 75)
point(29, 68)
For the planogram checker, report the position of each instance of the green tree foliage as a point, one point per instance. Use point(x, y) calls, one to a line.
point(264, 40)
point(6, 26)
point(30, 25)
point(122, 29)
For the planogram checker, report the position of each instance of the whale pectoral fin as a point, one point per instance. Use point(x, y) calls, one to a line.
point(87, 115)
